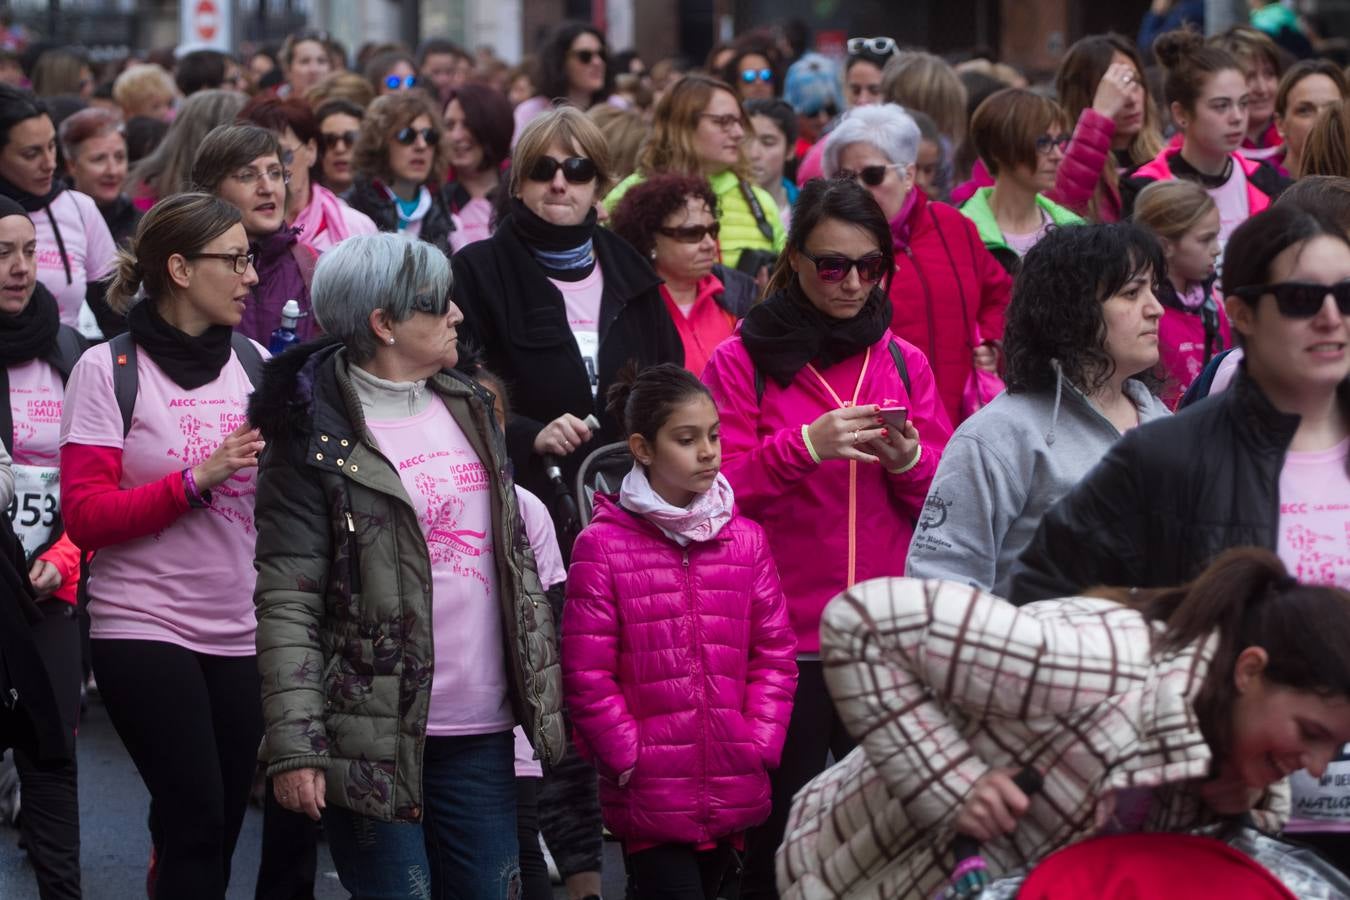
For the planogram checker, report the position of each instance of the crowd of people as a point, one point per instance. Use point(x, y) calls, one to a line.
point(970, 425)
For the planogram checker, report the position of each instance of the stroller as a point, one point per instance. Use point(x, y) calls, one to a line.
point(602, 472)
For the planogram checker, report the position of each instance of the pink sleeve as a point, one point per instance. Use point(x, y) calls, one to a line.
point(357, 221)
point(543, 538)
point(90, 414)
point(606, 730)
point(812, 165)
point(759, 469)
point(65, 556)
point(1081, 170)
point(995, 287)
point(979, 177)
point(771, 674)
point(99, 513)
point(100, 252)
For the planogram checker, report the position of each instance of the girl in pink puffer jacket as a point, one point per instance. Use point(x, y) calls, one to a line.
point(678, 659)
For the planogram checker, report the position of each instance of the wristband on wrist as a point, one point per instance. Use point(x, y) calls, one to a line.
point(918, 453)
point(806, 439)
point(195, 498)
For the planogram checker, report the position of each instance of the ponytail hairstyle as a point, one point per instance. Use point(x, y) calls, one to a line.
point(837, 198)
point(1248, 597)
point(181, 224)
point(642, 402)
point(1190, 62)
point(1169, 209)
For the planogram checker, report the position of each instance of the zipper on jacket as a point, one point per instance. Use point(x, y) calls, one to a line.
point(696, 647)
point(852, 523)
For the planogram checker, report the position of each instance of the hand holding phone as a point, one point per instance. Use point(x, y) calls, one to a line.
point(894, 416)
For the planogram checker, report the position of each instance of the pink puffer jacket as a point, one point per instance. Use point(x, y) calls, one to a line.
point(678, 663)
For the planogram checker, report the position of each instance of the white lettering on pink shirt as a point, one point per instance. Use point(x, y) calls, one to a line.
point(451, 491)
point(35, 397)
point(190, 584)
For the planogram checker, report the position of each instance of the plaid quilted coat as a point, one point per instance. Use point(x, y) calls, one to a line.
point(939, 682)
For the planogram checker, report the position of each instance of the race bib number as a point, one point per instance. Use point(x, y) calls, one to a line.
point(36, 504)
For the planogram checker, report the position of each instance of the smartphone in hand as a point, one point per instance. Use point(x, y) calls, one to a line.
point(894, 416)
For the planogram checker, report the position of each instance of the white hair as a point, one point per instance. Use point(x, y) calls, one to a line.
point(885, 126)
point(393, 272)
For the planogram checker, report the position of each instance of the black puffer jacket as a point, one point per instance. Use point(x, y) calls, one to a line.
point(1167, 498)
point(368, 196)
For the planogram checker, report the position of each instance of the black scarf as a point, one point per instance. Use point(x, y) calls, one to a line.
point(541, 235)
point(31, 202)
point(32, 333)
point(786, 332)
point(190, 362)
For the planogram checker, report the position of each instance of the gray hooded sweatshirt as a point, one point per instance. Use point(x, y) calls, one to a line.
point(1001, 470)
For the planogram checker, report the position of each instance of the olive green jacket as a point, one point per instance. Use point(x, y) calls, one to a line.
point(344, 590)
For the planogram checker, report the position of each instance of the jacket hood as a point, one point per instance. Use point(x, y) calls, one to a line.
point(282, 405)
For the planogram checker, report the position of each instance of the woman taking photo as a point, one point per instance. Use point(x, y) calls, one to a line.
point(403, 746)
point(321, 219)
point(947, 289)
point(1244, 677)
point(1308, 88)
point(1076, 376)
point(699, 129)
point(1208, 93)
point(831, 429)
point(478, 129)
point(75, 251)
point(339, 124)
point(1021, 139)
point(37, 354)
point(95, 152)
point(149, 488)
point(573, 67)
point(672, 220)
point(400, 164)
point(241, 164)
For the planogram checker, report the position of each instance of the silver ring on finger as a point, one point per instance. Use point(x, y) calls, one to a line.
point(855, 435)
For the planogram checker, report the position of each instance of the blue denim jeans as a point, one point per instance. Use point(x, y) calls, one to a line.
point(465, 845)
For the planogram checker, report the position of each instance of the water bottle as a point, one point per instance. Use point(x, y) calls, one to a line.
point(285, 337)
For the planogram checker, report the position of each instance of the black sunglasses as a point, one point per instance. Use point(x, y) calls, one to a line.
point(585, 57)
point(872, 176)
point(691, 234)
point(332, 138)
point(408, 136)
point(576, 169)
point(1300, 299)
point(833, 268)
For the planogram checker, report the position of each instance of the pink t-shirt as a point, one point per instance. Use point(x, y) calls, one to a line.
point(451, 491)
point(1021, 243)
point(548, 561)
point(35, 396)
point(1314, 543)
point(472, 223)
point(89, 250)
point(582, 299)
point(190, 584)
point(1231, 199)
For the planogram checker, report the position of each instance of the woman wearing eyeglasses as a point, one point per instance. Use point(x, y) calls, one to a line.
point(320, 218)
point(339, 127)
point(478, 127)
point(672, 220)
point(1021, 138)
point(573, 67)
point(391, 72)
point(401, 163)
point(948, 293)
point(241, 164)
point(831, 432)
point(163, 492)
point(559, 307)
point(699, 129)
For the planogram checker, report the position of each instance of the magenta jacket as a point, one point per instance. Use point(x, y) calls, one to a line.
point(678, 663)
point(1080, 174)
point(830, 524)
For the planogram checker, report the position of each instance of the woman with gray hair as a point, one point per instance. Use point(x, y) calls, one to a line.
point(402, 629)
point(948, 292)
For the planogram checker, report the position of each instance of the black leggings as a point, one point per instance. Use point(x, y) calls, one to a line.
point(678, 872)
point(534, 880)
point(51, 802)
point(814, 731)
point(191, 723)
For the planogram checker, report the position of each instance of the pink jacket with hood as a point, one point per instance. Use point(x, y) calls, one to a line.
point(835, 523)
point(679, 664)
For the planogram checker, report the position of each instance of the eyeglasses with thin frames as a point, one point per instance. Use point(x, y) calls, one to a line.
point(1045, 143)
point(726, 121)
point(249, 177)
point(241, 261)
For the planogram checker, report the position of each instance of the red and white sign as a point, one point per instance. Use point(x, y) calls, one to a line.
point(206, 23)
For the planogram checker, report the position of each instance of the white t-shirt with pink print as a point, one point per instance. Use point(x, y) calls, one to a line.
point(451, 491)
point(190, 584)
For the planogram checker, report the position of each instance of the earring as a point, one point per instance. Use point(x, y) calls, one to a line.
point(653, 256)
point(391, 342)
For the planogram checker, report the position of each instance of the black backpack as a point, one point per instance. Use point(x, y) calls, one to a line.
point(126, 381)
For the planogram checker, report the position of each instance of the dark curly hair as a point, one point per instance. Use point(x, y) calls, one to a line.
point(1056, 307)
point(644, 208)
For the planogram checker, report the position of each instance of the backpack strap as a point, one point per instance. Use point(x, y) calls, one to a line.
point(70, 346)
point(249, 357)
point(125, 380)
point(6, 414)
point(897, 357)
point(756, 210)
